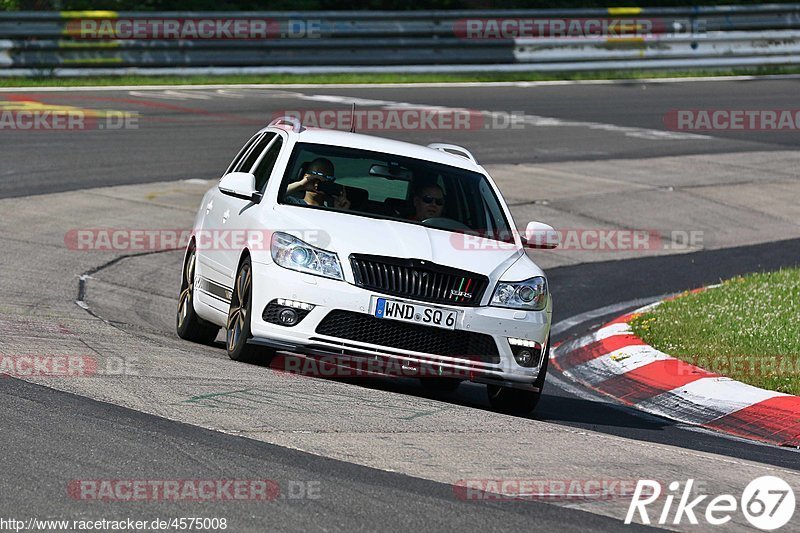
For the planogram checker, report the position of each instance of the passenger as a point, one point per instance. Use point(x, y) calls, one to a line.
point(428, 202)
point(318, 171)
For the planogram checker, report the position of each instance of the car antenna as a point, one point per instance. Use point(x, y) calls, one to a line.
point(353, 118)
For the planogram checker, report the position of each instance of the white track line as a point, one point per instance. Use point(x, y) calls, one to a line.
point(533, 120)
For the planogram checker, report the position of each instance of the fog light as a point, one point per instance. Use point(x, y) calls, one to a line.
point(527, 353)
point(524, 357)
point(288, 317)
point(287, 313)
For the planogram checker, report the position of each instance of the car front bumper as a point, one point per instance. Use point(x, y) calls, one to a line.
point(272, 282)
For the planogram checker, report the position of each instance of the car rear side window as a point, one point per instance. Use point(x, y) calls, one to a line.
point(267, 163)
point(255, 152)
point(245, 149)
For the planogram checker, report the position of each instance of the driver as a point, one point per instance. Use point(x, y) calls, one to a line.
point(428, 202)
point(318, 170)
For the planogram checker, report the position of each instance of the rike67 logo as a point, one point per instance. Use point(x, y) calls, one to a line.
point(767, 502)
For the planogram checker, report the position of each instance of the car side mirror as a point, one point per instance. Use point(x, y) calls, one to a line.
point(541, 236)
point(240, 185)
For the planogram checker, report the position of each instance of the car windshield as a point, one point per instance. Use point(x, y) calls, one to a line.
point(377, 185)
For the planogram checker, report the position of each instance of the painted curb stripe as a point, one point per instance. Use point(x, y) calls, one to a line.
point(614, 362)
point(621, 361)
point(600, 334)
point(598, 348)
point(706, 400)
point(773, 420)
point(652, 380)
point(725, 394)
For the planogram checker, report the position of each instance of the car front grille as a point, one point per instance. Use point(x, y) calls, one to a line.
point(365, 328)
point(418, 280)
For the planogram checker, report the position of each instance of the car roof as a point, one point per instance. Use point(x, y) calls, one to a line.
point(380, 144)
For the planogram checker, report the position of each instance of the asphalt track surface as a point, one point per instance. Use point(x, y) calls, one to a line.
point(181, 135)
point(50, 453)
point(72, 434)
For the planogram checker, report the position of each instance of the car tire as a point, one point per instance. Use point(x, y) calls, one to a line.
point(440, 385)
point(237, 327)
point(189, 326)
point(518, 401)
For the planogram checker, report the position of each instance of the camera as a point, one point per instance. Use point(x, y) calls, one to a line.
point(330, 188)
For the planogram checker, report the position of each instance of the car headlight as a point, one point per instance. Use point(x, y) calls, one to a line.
point(529, 294)
point(294, 254)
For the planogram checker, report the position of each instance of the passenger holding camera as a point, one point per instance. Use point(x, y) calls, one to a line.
point(318, 184)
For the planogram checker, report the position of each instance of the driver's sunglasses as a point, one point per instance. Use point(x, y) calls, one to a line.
point(321, 175)
point(431, 199)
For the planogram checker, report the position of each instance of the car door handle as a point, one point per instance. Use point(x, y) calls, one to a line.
point(225, 215)
point(209, 206)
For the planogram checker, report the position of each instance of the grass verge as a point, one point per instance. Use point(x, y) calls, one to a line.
point(747, 329)
point(45, 81)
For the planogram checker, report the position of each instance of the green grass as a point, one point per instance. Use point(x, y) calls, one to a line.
point(383, 78)
point(747, 329)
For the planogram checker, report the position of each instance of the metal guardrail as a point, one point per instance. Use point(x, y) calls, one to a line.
point(49, 43)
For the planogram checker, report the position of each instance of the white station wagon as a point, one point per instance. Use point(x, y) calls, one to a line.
point(335, 244)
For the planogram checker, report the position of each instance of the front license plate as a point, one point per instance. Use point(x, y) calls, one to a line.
point(415, 313)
